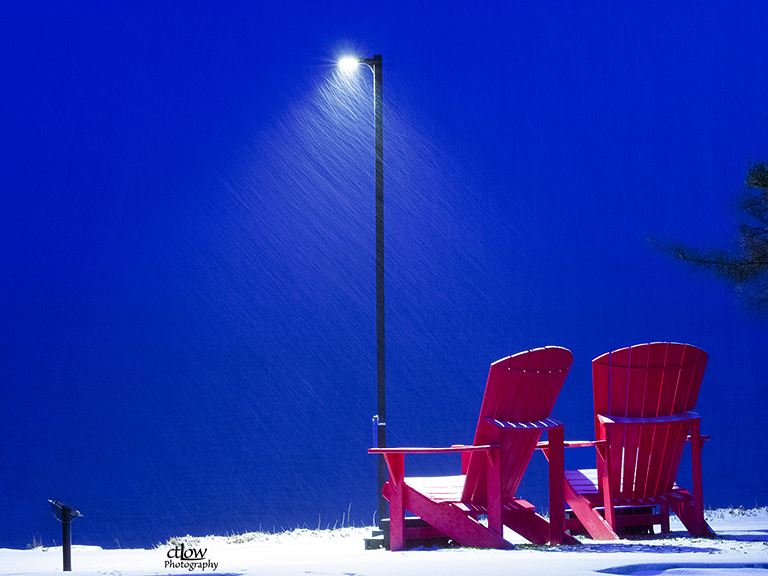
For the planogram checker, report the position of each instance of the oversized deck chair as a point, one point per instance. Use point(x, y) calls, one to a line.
point(519, 397)
point(644, 399)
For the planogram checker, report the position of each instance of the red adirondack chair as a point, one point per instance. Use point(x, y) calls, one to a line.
point(519, 397)
point(644, 399)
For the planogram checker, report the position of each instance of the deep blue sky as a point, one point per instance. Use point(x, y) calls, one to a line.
point(187, 341)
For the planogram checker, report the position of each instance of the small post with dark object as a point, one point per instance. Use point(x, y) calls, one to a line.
point(379, 537)
point(65, 515)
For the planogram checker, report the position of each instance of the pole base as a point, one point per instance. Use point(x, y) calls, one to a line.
point(376, 542)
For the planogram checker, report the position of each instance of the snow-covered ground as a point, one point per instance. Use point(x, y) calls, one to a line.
point(741, 548)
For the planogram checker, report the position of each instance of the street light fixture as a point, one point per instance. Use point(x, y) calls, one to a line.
point(380, 431)
point(349, 63)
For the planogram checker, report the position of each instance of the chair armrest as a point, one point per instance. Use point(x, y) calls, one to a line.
point(574, 443)
point(395, 457)
point(540, 425)
point(456, 448)
point(682, 417)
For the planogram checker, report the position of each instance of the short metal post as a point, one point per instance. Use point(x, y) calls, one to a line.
point(66, 537)
point(65, 515)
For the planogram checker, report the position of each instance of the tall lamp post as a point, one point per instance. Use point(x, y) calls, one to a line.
point(380, 420)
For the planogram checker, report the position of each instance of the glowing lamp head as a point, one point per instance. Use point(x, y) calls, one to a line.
point(349, 64)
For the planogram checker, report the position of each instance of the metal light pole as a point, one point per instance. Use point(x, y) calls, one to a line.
point(380, 419)
point(381, 408)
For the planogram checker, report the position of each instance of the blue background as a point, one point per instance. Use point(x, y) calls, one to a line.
point(187, 301)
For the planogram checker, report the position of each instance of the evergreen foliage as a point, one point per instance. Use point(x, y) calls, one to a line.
point(744, 266)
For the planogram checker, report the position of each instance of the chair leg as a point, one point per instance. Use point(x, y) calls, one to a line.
point(590, 518)
point(698, 497)
point(394, 490)
point(609, 473)
point(452, 521)
point(520, 516)
point(493, 477)
point(664, 510)
point(556, 456)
